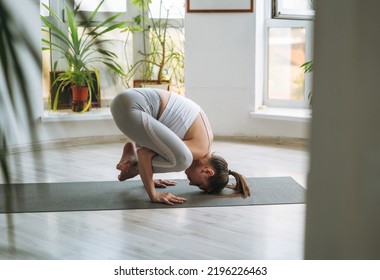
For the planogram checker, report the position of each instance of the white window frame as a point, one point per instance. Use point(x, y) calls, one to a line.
point(270, 22)
point(280, 9)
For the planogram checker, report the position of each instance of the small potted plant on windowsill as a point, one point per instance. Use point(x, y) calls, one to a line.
point(81, 83)
point(161, 58)
point(81, 52)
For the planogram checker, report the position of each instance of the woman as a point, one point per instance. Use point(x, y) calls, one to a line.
point(171, 134)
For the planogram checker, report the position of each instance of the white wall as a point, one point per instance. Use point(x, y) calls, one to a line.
point(222, 57)
point(344, 185)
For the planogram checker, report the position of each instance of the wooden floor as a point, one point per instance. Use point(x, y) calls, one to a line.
point(247, 232)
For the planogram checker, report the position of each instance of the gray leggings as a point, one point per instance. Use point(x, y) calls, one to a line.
point(135, 112)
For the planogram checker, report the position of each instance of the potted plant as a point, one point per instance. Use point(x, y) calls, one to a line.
point(161, 57)
point(81, 51)
point(81, 83)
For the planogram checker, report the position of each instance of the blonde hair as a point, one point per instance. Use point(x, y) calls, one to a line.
point(220, 179)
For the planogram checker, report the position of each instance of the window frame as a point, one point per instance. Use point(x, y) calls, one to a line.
point(270, 22)
point(279, 10)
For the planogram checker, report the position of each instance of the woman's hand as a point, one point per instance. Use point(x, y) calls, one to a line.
point(146, 172)
point(168, 198)
point(159, 183)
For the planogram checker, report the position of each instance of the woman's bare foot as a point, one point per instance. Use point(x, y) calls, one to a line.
point(128, 164)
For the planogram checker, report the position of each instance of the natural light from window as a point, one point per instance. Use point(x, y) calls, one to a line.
point(286, 54)
point(122, 43)
point(175, 8)
point(107, 6)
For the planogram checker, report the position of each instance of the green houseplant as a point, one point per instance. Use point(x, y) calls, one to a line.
point(308, 68)
point(81, 50)
point(161, 57)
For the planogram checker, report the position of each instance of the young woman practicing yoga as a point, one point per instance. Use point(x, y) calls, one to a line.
point(170, 133)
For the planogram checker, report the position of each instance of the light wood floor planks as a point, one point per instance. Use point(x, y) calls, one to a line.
point(248, 232)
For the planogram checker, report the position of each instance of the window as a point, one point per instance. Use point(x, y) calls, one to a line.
point(107, 6)
point(293, 9)
point(288, 45)
point(126, 45)
point(175, 8)
point(159, 49)
point(43, 11)
point(175, 42)
point(122, 45)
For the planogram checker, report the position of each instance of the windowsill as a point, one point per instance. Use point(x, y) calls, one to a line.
point(286, 114)
point(67, 115)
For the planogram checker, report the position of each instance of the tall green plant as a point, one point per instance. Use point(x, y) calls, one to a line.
point(80, 51)
point(308, 68)
point(161, 54)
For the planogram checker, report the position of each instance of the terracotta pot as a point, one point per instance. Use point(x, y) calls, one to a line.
point(79, 98)
point(80, 93)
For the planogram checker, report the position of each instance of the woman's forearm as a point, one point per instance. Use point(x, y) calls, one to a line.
point(146, 171)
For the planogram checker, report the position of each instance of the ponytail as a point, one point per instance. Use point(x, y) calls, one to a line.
point(241, 186)
point(220, 179)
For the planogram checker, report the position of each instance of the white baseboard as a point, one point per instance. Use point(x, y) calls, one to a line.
point(275, 140)
point(51, 144)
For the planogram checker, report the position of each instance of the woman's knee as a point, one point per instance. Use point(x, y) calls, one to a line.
point(119, 103)
point(184, 160)
point(116, 106)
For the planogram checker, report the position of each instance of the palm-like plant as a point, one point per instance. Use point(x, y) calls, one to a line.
point(161, 58)
point(81, 51)
point(308, 68)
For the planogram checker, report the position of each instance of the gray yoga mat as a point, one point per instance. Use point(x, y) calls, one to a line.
point(115, 195)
